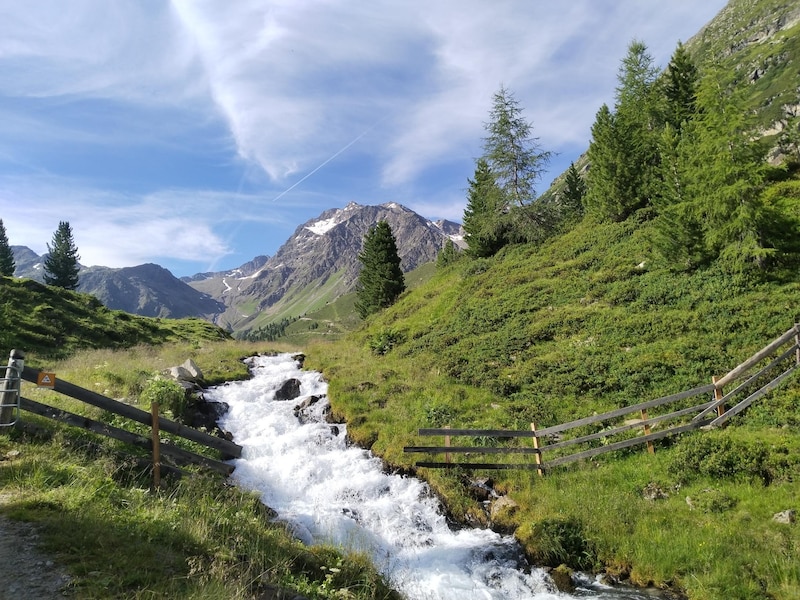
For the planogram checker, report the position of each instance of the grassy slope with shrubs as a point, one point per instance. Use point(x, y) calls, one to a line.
point(46, 321)
point(584, 324)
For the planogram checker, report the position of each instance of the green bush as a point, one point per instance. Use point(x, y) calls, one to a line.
point(168, 393)
point(720, 456)
point(712, 500)
point(556, 541)
point(385, 340)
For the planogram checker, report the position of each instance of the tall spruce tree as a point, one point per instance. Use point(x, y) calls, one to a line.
point(573, 193)
point(483, 216)
point(381, 280)
point(680, 88)
point(61, 265)
point(7, 264)
point(623, 153)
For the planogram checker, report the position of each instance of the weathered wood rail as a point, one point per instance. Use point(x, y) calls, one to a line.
point(12, 402)
point(706, 414)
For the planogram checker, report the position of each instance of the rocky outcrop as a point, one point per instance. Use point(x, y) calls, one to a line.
point(200, 413)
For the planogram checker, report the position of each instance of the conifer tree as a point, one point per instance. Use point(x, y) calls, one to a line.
point(483, 215)
point(623, 153)
point(381, 280)
point(725, 173)
point(574, 192)
point(7, 265)
point(680, 88)
point(447, 255)
point(512, 152)
point(61, 265)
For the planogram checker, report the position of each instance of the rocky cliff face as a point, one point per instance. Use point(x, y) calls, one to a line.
point(319, 263)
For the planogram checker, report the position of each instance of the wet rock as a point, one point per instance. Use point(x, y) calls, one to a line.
point(482, 489)
point(203, 414)
point(786, 517)
point(562, 577)
point(289, 390)
point(302, 412)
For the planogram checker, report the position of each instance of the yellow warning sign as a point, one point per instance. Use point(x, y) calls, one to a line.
point(47, 380)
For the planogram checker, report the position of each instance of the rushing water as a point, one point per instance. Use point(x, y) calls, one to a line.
point(330, 492)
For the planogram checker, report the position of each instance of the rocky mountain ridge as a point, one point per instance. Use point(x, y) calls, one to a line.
point(319, 263)
point(316, 265)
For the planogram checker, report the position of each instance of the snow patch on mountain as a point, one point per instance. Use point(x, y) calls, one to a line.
point(320, 227)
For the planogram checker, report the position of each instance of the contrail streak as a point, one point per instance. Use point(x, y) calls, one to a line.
point(363, 133)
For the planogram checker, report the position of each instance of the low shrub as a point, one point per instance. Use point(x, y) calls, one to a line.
point(555, 541)
point(168, 393)
point(720, 456)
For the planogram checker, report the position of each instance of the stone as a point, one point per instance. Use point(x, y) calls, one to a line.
point(194, 371)
point(289, 390)
point(302, 412)
point(786, 517)
point(179, 374)
point(501, 513)
point(653, 491)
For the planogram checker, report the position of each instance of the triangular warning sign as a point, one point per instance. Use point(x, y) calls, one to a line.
point(46, 380)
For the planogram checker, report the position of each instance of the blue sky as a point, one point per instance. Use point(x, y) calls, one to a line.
point(198, 134)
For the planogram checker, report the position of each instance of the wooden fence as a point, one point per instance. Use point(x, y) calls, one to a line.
point(12, 402)
point(784, 352)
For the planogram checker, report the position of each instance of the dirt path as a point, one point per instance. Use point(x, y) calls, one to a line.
point(27, 573)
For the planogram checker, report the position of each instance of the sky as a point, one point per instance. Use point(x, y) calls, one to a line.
point(198, 134)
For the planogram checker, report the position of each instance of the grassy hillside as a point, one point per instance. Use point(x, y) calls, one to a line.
point(587, 323)
point(49, 322)
point(195, 537)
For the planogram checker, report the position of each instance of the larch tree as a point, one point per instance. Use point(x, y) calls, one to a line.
point(725, 173)
point(447, 255)
point(381, 280)
point(7, 264)
point(61, 265)
point(513, 154)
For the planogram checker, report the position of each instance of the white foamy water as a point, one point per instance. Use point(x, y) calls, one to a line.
point(330, 492)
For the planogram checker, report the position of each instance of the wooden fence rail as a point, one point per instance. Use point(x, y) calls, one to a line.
point(707, 414)
point(11, 400)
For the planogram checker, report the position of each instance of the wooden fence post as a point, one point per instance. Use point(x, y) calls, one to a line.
point(10, 387)
point(156, 447)
point(718, 394)
point(797, 341)
point(651, 449)
point(447, 445)
point(538, 455)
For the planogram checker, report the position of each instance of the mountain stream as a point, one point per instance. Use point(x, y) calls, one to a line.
point(331, 492)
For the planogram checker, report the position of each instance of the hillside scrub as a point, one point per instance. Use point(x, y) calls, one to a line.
point(587, 323)
point(50, 322)
point(196, 537)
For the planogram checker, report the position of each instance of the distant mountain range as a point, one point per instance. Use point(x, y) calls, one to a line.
point(315, 266)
